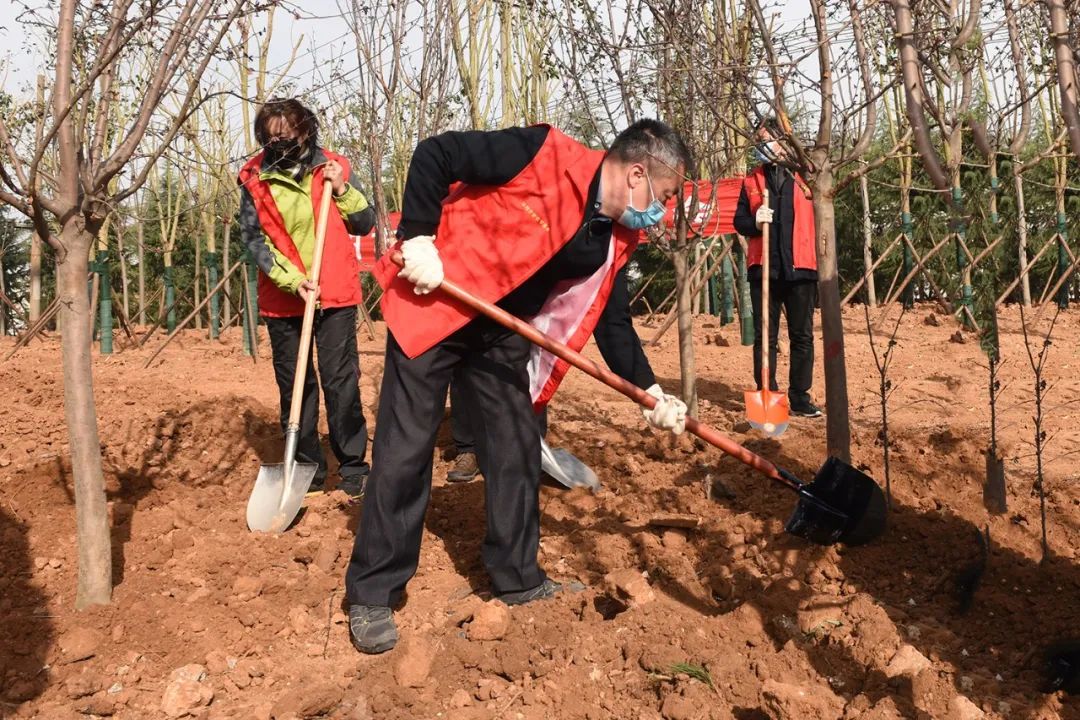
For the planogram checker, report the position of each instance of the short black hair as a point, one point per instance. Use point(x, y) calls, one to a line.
point(298, 115)
point(651, 140)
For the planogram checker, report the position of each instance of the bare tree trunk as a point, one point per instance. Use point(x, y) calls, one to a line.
point(36, 240)
point(123, 270)
point(837, 423)
point(868, 244)
point(91, 516)
point(695, 300)
point(227, 308)
point(1067, 75)
point(1021, 231)
point(3, 306)
point(197, 279)
point(142, 274)
point(680, 259)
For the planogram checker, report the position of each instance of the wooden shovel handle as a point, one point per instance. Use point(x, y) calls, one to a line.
point(587, 366)
point(314, 271)
point(765, 310)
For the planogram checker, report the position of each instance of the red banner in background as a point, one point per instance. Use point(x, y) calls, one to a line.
point(716, 206)
point(715, 215)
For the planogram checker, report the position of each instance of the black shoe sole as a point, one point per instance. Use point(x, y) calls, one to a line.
point(352, 490)
point(374, 649)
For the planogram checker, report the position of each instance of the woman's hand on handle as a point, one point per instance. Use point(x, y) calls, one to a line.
point(306, 288)
point(333, 172)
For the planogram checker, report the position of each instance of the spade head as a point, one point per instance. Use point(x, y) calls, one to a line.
point(767, 411)
point(565, 467)
point(274, 502)
point(841, 505)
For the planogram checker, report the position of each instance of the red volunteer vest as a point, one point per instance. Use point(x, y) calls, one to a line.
point(492, 239)
point(339, 281)
point(803, 234)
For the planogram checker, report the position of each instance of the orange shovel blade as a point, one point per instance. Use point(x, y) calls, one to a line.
point(767, 411)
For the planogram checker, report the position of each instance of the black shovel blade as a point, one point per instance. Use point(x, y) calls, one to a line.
point(1061, 669)
point(841, 505)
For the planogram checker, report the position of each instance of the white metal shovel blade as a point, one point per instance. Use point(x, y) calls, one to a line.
point(272, 506)
point(566, 468)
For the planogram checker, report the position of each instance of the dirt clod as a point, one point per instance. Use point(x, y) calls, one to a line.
point(490, 621)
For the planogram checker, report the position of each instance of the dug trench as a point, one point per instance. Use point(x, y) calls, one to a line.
point(697, 604)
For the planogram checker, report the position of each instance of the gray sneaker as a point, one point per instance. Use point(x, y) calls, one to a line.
point(545, 590)
point(465, 468)
point(372, 628)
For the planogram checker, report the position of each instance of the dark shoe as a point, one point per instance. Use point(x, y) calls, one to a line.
point(465, 468)
point(545, 590)
point(372, 628)
point(805, 409)
point(353, 486)
point(318, 485)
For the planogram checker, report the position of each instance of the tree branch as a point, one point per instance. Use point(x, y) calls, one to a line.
point(116, 161)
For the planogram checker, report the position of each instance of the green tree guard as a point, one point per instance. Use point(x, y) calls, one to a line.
point(995, 188)
point(91, 266)
point(247, 328)
point(712, 306)
point(1063, 263)
point(727, 291)
point(967, 295)
point(211, 260)
point(714, 294)
point(746, 311)
point(105, 318)
point(170, 299)
point(907, 297)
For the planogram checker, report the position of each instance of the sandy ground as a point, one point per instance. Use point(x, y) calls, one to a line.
point(728, 619)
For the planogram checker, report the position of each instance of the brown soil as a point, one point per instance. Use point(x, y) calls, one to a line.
point(784, 630)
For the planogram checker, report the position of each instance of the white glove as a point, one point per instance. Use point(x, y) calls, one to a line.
point(764, 215)
point(423, 268)
point(669, 413)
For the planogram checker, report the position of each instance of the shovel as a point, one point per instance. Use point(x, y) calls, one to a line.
point(566, 468)
point(841, 504)
point(280, 488)
point(1061, 667)
point(766, 411)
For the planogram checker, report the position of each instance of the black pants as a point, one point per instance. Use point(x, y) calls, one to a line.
point(339, 373)
point(387, 548)
point(466, 422)
point(797, 300)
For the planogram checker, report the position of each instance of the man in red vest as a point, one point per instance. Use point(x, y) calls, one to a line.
point(543, 226)
point(793, 263)
point(280, 192)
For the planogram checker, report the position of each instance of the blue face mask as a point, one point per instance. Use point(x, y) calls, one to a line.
point(640, 219)
point(765, 153)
